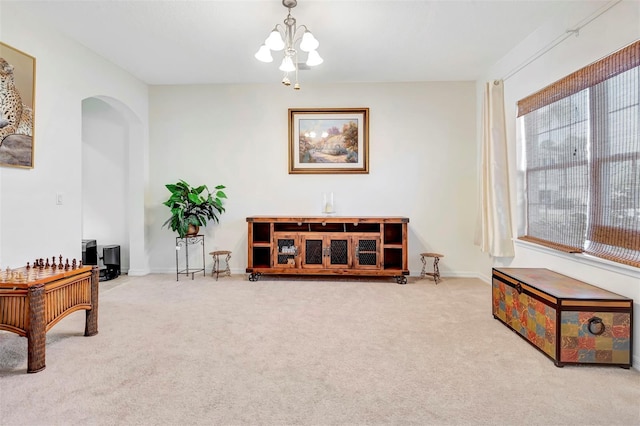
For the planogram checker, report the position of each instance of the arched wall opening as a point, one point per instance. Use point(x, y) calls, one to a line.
point(113, 180)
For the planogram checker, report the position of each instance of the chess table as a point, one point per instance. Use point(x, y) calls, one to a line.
point(34, 299)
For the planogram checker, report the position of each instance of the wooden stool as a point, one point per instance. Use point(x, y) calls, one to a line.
point(216, 263)
point(436, 271)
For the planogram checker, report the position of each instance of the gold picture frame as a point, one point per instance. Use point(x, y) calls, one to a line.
point(328, 140)
point(18, 93)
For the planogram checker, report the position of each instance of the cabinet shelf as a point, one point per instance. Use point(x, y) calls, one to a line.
point(262, 244)
point(393, 233)
point(395, 246)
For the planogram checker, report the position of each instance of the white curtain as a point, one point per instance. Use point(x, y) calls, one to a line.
point(494, 233)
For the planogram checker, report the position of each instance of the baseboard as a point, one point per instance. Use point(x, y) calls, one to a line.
point(173, 271)
point(463, 274)
point(240, 271)
point(137, 272)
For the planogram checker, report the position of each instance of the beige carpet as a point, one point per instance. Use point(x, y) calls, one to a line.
point(280, 351)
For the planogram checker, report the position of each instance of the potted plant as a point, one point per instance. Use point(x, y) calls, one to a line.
point(193, 207)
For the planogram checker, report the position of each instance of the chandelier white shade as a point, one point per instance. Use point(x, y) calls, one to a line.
point(314, 59)
point(274, 41)
point(309, 42)
point(264, 54)
point(287, 65)
point(286, 37)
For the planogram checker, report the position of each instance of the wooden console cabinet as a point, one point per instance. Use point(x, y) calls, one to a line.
point(328, 245)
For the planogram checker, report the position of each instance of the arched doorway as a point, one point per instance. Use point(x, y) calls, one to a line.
point(113, 176)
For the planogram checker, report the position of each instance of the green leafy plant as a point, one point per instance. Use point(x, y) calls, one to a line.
point(193, 206)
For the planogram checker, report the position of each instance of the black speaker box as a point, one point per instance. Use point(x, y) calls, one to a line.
point(111, 260)
point(89, 252)
point(111, 255)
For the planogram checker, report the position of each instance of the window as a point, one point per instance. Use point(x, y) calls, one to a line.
point(582, 148)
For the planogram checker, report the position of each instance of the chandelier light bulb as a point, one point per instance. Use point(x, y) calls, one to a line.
point(264, 54)
point(286, 81)
point(296, 86)
point(287, 65)
point(308, 42)
point(274, 41)
point(314, 58)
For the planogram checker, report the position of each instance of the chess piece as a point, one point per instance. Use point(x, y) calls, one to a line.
point(41, 265)
point(28, 267)
point(60, 265)
point(73, 264)
point(53, 262)
point(66, 265)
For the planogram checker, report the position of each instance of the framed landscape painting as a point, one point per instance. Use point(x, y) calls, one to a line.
point(17, 94)
point(329, 140)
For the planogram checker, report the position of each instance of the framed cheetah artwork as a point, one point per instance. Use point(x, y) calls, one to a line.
point(17, 98)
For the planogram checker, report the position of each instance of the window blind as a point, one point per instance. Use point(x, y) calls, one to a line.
point(582, 149)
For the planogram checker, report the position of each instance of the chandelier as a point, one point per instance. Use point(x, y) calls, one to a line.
point(286, 38)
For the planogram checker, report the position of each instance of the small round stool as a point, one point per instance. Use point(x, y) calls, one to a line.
point(216, 263)
point(436, 271)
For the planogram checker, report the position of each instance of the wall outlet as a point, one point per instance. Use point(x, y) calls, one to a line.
point(59, 198)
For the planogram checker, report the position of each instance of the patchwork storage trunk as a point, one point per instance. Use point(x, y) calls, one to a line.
point(570, 321)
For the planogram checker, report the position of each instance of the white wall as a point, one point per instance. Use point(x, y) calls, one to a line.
point(613, 30)
point(422, 165)
point(422, 162)
point(31, 224)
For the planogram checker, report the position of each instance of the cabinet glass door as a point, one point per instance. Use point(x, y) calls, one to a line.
point(338, 253)
point(367, 252)
point(286, 251)
point(325, 252)
point(313, 256)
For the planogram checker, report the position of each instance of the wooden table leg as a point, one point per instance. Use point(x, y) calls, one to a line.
point(36, 335)
point(91, 321)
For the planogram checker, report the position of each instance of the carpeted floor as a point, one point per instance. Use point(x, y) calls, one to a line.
point(312, 352)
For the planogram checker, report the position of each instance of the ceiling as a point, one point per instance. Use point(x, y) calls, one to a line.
point(213, 41)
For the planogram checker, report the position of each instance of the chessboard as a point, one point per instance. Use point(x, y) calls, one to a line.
point(42, 270)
